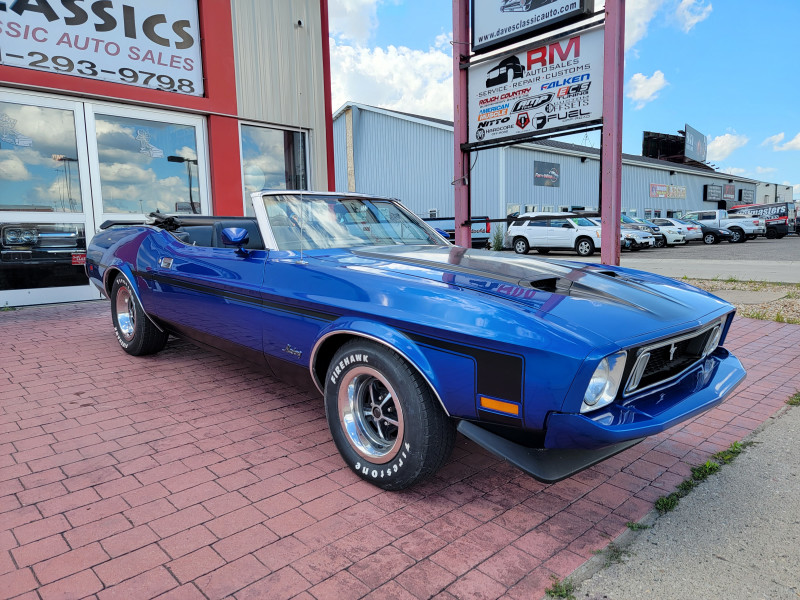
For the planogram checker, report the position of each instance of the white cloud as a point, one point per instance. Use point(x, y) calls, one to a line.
point(692, 12)
point(398, 78)
point(643, 89)
point(793, 144)
point(638, 14)
point(12, 168)
point(721, 147)
point(734, 171)
point(773, 140)
point(353, 19)
point(765, 170)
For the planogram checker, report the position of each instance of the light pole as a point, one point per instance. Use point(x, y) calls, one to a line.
point(189, 162)
point(68, 176)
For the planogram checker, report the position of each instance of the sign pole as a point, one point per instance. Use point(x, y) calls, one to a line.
point(611, 153)
point(461, 179)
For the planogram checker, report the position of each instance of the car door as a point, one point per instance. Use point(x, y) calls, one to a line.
point(210, 294)
point(560, 233)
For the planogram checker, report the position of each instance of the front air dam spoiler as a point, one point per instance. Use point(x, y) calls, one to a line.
point(545, 465)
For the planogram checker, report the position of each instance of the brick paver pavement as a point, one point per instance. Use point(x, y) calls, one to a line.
point(189, 475)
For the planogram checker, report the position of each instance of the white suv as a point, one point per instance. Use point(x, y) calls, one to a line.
point(553, 231)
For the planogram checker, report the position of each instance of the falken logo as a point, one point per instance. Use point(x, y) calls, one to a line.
point(568, 81)
point(345, 362)
point(532, 103)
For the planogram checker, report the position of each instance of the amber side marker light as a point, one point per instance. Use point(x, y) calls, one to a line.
point(500, 406)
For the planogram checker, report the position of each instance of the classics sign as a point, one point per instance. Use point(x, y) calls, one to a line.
point(498, 22)
point(550, 86)
point(147, 43)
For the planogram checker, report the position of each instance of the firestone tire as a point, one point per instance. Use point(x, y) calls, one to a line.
point(136, 334)
point(710, 238)
point(584, 247)
point(384, 419)
point(521, 245)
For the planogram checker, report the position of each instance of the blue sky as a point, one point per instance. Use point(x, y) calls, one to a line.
point(728, 68)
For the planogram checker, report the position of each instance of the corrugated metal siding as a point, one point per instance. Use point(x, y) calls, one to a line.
point(279, 70)
point(413, 161)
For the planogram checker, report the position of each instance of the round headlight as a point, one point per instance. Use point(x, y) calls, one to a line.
point(28, 236)
point(605, 382)
point(13, 235)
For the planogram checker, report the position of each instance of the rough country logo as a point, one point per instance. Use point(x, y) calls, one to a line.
point(345, 362)
point(523, 120)
point(532, 103)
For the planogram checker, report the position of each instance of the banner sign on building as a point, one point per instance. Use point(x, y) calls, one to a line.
point(713, 193)
point(729, 192)
point(747, 196)
point(696, 146)
point(147, 43)
point(661, 190)
point(498, 22)
point(546, 174)
point(544, 88)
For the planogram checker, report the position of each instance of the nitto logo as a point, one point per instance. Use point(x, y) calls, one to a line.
point(495, 122)
point(523, 120)
point(532, 103)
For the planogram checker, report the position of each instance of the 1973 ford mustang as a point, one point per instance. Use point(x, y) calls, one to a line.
point(552, 365)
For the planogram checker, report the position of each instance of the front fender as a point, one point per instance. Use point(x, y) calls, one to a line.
point(377, 332)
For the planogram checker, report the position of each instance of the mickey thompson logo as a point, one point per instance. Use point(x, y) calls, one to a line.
point(531, 103)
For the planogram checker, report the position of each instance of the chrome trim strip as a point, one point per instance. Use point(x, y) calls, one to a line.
point(314, 350)
point(661, 344)
point(134, 291)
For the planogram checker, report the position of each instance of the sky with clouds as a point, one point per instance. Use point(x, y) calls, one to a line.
point(725, 67)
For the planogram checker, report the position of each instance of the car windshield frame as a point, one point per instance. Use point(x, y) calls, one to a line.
point(295, 221)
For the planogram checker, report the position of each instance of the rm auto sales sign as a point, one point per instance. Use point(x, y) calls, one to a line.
point(549, 86)
point(147, 43)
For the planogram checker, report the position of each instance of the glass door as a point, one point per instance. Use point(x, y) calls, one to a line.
point(45, 203)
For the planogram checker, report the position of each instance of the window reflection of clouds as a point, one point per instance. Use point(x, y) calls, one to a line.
point(32, 140)
point(264, 153)
point(135, 174)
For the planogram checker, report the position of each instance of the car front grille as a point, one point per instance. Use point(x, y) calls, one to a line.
point(666, 360)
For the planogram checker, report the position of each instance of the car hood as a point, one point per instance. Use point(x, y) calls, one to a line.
point(618, 304)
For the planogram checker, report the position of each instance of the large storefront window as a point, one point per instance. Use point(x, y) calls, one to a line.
point(38, 152)
point(272, 159)
point(147, 166)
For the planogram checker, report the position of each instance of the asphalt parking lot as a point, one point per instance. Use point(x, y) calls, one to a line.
point(188, 475)
point(783, 250)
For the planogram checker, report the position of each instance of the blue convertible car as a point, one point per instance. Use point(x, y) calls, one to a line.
point(552, 365)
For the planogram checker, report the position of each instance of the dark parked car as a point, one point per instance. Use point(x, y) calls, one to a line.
point(714, 235)
point(552, 365)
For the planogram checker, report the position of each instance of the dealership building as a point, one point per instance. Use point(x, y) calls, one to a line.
point(410, 157)
point(113, 110)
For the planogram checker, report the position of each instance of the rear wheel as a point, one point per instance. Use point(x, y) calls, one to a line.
point(661, 242)
point(521, 245)
point(384, 419)
point(772, 234)
point(136, 334)
point(584, 247)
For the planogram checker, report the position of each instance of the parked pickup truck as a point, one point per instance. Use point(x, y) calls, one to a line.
point(742, 228)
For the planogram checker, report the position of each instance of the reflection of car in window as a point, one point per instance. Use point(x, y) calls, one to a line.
point(499, 74)
point(522, 5)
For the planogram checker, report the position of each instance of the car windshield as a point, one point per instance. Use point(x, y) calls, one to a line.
point(626, 219)
point(310, 222)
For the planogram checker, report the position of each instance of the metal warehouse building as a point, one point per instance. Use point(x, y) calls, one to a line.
point(410, 157)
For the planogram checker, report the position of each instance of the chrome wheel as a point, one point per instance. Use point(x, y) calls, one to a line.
point(126, 313)
point(370, 415)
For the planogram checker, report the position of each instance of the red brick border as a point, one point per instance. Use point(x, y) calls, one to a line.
point(193, 476)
